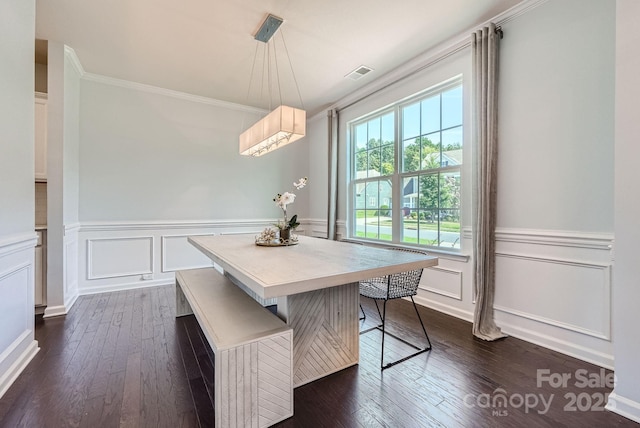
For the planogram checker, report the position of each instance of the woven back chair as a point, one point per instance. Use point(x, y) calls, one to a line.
point(389, 287)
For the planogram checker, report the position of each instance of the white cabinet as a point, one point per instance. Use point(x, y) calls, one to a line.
point(40, 274)
point(41, 136)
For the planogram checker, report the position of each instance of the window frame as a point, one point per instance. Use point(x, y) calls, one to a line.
point(398, 176)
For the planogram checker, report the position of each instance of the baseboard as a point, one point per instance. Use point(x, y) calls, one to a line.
point(125, 286)
point(564, 347)
point(623, 406)
point(71, 300)
point(446, 309)
point(55, 311)
point(18, 366)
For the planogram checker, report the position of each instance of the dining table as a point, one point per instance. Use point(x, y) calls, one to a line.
point(316, 285)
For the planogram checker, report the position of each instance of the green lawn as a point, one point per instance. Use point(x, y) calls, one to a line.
point(374, 235)
point(370, 213)
point(445, 226)
point(386, 237)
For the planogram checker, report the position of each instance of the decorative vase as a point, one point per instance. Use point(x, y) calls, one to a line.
point(285, 234)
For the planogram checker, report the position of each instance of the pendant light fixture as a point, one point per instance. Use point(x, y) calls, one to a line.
point(284, 124)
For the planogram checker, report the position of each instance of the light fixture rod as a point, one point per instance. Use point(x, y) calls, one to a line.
point(291, 68)
point(268, 28)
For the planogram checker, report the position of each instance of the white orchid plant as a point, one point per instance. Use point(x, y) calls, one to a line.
point(286, 198)
point(270, 236)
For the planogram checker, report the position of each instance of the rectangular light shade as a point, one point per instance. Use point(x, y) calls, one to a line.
point(282, 126)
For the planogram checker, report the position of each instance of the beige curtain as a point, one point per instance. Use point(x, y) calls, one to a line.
point(332, 185)
point(484, 45)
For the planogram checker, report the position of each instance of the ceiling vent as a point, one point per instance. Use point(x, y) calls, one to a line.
point(359, 72)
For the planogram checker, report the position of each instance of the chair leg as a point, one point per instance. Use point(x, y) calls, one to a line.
point(421, 323)
point(384, 312)
point(382, 328)
point(378, 308)
point(364, 316)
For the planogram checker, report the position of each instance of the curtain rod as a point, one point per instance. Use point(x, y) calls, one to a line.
point(504, 17)
point(444, 55)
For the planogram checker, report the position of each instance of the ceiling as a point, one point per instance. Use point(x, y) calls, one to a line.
point(206, 47)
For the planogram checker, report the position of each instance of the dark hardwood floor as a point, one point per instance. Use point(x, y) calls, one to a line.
point(123, 359)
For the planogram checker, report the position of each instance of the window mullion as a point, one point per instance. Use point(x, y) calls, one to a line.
point(396, 181)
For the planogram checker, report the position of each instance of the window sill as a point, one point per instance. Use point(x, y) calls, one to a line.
point(444, 254)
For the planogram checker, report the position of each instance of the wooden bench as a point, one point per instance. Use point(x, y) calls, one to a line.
point(253, 348)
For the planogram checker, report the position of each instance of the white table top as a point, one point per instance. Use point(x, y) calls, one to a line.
point(313, 264)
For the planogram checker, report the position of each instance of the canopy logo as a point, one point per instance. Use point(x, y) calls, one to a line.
point(500, 402)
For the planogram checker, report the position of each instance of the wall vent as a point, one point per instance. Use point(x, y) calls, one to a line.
point(359, 72)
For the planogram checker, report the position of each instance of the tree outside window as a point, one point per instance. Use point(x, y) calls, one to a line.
point(428, 140)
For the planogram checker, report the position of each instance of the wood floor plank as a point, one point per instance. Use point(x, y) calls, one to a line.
point(113, 397)
point(131, 409)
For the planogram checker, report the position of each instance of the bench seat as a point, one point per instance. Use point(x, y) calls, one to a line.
point(253, 349)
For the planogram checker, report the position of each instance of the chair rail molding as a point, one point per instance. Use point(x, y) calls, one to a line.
point(560, 238)
point(17, 243)
point(159, 225)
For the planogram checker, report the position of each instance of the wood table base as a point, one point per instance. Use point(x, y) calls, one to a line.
point(325, 330)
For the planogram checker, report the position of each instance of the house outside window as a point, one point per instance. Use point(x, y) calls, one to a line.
point(411, 153)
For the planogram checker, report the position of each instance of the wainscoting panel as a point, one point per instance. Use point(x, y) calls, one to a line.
point(444, 281)
point(114, 257)
point(553, 288)
point(567, 294)
point(15, 284)
point(17, 287)
point(126, 255)
point(316, 227)
point(179, 254)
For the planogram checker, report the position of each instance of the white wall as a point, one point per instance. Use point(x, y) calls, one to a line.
point(17, 236)
point(55, 171)
point(555, 188)
point(148, 156)
point(155, 167)
point(62, 179)
point(556, 118)
point(555, 208)
point(626, 317)
point(71, 178)
point(71, 132)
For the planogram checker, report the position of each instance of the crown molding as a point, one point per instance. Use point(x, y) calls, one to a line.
point(515, 11)
point(99, 78)
point(432, 56)
point(75, 61)
point(106, 80)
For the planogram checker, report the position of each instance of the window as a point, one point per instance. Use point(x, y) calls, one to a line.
point(411, 153)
